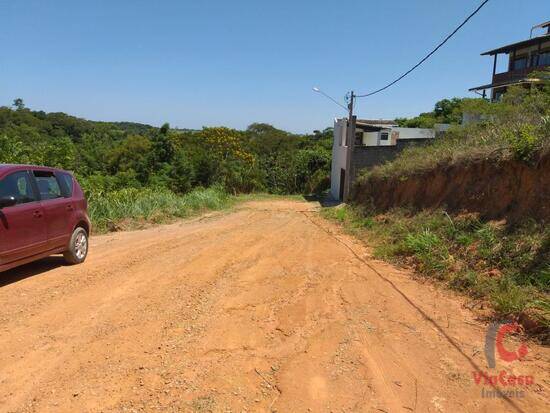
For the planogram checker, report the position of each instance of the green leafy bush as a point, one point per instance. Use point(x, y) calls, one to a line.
point(524, 142)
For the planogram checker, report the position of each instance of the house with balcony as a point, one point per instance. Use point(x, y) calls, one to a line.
point(523, 58)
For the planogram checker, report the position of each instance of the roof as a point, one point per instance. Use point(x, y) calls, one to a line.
point(376, 122)
point(525, 43)
point(374, 125)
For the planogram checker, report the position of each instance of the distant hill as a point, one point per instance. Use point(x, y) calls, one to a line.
point(133, 128)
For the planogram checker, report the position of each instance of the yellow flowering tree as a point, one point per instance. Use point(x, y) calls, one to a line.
point(235, 165)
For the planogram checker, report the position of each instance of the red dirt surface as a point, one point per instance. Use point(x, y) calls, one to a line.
point(266, 308)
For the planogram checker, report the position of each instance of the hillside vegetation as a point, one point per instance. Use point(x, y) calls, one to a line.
point(518, 127)
point(140, 172)
point(490, 252)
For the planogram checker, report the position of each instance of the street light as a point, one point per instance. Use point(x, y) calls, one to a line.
point(316, 89)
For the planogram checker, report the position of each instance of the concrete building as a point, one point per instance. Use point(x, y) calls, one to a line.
point(374, 142)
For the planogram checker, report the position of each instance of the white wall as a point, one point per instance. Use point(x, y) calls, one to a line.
point(394, 133)
point(339, 155)
point(370, 138)
point(415, 133)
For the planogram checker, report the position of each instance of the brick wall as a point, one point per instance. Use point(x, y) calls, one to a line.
point(370, 156)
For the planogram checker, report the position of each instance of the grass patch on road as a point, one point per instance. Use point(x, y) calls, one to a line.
point(507, 266)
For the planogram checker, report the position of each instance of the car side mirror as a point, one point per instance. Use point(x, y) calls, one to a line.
point(7, 201)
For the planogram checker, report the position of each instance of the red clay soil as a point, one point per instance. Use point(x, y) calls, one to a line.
point(268, 308)
point(493, 188)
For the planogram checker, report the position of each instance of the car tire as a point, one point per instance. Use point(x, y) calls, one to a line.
point(78, 247)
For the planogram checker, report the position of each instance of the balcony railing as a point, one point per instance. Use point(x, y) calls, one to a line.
point(515, 75)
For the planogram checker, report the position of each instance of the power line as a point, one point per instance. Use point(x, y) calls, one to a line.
point(428, 55)
point(316, 89)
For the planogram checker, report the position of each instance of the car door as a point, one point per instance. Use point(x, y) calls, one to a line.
point(57, 208)
point(22, 226)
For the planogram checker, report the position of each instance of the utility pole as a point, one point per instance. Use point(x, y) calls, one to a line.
point(350, 105)
point(350, 148)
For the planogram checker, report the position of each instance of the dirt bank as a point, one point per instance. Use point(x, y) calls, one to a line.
point(268, 308)
point(494, 188)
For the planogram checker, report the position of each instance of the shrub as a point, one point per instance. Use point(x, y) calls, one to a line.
point(524, 142)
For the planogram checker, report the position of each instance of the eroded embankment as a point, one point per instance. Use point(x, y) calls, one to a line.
point(493, 188)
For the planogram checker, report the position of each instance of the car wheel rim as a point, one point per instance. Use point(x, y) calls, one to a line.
point(81, 246)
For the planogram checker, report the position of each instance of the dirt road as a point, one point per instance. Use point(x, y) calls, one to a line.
point(260, 309)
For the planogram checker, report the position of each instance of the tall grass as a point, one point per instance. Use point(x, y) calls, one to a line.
point(132, 207)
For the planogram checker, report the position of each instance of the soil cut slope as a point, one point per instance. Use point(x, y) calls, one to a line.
point(494, 188)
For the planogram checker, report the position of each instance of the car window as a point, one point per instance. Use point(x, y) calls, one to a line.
point(18, 185)
point(47, 185)
point(66, 183)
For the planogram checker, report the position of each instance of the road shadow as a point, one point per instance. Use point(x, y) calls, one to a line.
point(324, 199)
point(30, 270)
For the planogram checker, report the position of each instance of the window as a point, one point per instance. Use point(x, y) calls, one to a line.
point(544, 59)
point(19, 186)
point(384, 136)
point(47, 185)
point(66, 183)
point(520, 63)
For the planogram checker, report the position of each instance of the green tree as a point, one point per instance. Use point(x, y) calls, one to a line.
point(162, 147)
point(132, 154)
point(182, 174)
point(107, 156)
point(448, 110)
point(11, 151)
point(60, 153)
point(164, 129)
point(18, 104)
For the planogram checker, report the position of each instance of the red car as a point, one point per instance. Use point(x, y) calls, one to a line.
point(42, 212)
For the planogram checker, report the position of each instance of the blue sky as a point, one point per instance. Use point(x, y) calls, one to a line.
point(205, 63)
